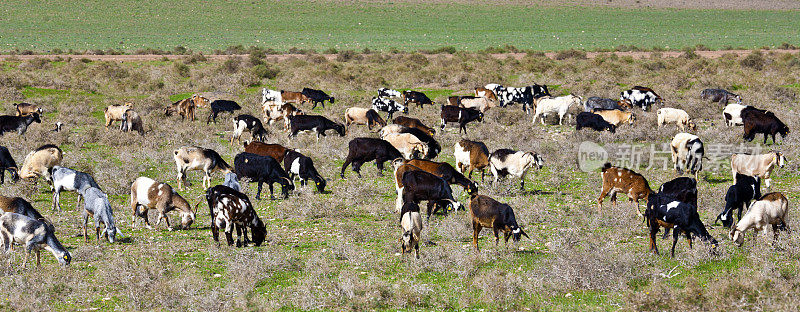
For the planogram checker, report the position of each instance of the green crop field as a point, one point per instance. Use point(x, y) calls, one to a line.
point(207, 25)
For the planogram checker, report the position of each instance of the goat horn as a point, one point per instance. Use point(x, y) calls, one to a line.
point(525, 234)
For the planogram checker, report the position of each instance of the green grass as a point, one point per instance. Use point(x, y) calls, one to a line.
point(131, 25)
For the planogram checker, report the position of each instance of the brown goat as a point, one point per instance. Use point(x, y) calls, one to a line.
point(148, 193)
point(413, 123)
point(25, 109)
point(472, 155)
point(486, 212)
point(489, 94)
point(297, 98)
point(617, 179)
point(276, 151)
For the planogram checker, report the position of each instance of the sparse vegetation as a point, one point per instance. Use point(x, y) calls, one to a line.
point(338, 251)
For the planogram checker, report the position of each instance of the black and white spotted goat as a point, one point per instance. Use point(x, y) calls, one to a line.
point(386, 92)
point(230, 208)
point(66, 179)
point(388, 105)
point(98, 207)
point(34, 235)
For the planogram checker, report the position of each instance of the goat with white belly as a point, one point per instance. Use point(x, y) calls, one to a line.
point(67, 179)
point(771, 209)
point(198, 158)
point(149, 194)
point(35, 235)
point(503, 162)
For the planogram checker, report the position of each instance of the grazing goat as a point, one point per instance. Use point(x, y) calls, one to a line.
point(641, 96)
point(262, 169)
point(230, 208)
point(486, 212)
point(186, 107)
point(489, 94)
point(250, 123)
point(35, 235)
point(114, 113)
point(25, 109)
point(318, 124)
point(411, 224)
point(386, 92)
point(268, 95)
point(738, 197)
point(219, 106)
point(317, 97)
point(597, 103)
point(616, 179)
point(616, 117)
point(274, 113)
point(719, 95)
point(416, 97)
point(198, 158)
point(460, 115)
point(683, 189)
point(504, 162)
point(771, 209)
point(7, 163)
point(663, 211)
point(733, 114)
point(446, 172)
point(232, 181)
point(39, 162)
point(413, 123)
point(297, 164)
point(294, 97)
point(17, 123)
point(149, 194)
point(389, 106)
point(67, 179)
point(482, 104)
point(363, 116)
point(420, 185)
point(131, 121)
point(687, 153)
point(757, 121)
point(98, 207)
point(409, 145)
point(361, 150)
point(20, 206)
point(471, 154)
point(678, 116)
point(559, 105)
point(276, 151)
point(594, 122)
point(433, 147)
point(759, 166)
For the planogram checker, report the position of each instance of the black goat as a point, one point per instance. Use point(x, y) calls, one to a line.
point(219, 106)
point(738, 197)
point(667, 212)
point(317, 96)
point(421, 185)
point(683, 189)
point(460, 115)
point(764, 122)
point(17, 123)
point(262, 169)
point(297, 164)
point(417, 97)
point(362, 150)
point(316, 123)
point(593, 121)
point(7, 163)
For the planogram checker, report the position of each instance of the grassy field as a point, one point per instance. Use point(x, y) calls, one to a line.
point(208, 25)
point(339, 251)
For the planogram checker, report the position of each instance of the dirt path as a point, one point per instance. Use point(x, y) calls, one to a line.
point(151, 57)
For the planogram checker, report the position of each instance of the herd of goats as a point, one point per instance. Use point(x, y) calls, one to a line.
point(410, 147)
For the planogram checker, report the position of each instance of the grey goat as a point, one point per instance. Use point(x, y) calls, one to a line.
point(69, 180)
point(99, 208)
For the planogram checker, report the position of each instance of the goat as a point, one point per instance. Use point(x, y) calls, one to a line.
point(413, 123)
point(220, 106)
point(771, 209)
point(318, 124)
point(7, 163)
point(361, 150)
point(31, 233)
point(297, 164)
point(25, 109)
point(486, 212)
point(250, 123)
point(17, 123)
point(276, 151)
point(262, 169)
point(39, 162)
point(678, 116)
point(131, 121)
point(409, 145)
point(760, 166)
point(738, 197)
point(411, 224)
point(504, 161)
point(20, 206)
point(230, 208)
point(98, 207)
point(363, 116)
point(593, 121)
point(471, 154)
point(420, 185)
point(232, 181)
point(663, 211)
point(616, 179)
point(69, 180)
point(687, 153)
point(149, 194)
point(462, 116)
point(114, 113)
point(198, 158)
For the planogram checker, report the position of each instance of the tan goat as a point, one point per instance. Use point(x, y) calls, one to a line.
point(115, 113)
point(39, 162)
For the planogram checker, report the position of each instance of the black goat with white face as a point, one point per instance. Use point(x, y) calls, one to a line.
point(19, 124)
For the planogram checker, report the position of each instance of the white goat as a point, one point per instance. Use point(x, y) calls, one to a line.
point(559, 105)
point(771, 209)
